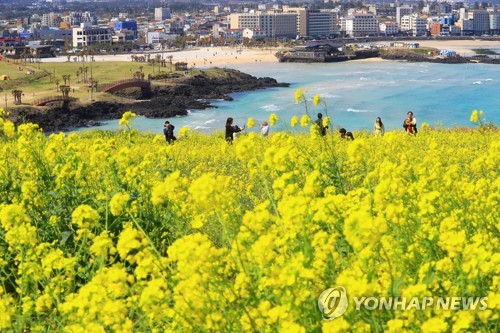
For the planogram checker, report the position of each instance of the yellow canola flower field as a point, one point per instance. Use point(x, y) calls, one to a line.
point(121, 232)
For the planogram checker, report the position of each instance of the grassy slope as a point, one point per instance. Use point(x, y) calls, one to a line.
point(103, 72)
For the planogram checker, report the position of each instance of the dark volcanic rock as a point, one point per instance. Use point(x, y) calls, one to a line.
point(161, 101)
point(413, 57)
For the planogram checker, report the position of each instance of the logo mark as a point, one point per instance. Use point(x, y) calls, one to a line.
point(333, 302)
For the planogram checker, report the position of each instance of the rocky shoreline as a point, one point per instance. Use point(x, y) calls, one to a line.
point(162, 101)
point(413, 57)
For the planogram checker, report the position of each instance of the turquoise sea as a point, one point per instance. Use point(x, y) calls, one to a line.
point(356, 93)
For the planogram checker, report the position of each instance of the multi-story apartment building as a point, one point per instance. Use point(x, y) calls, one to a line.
point(77, 18)
point(403, 11)
point(494, 23)
point(274, 24)
point(462, 13)
point(389, 28)
point(87, 34)
point(481, 22)
point(436, 29)
point(361, 24)
point(414, 25)
point(466, 26)
point(162, 14)
point(51, 20)
point(444, 8)
point(314, 22)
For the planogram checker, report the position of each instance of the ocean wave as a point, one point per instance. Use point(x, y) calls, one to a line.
point(270, 108)
point(358, 111)
point(329, 96)
point(478, 82)
point(482, 80)
point(202, 127)
point(211, 121)
point(364, 78)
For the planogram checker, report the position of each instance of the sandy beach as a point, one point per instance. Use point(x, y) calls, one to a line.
point(222, 56)
point(201, 57)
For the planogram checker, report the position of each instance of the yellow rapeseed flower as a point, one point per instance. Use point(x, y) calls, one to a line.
point(126, 119)
point(474, 117)
point(299, 94)
point(316, 99)
point(118, 203)
point(305, 120)
point(250, 122)
point(273, 118)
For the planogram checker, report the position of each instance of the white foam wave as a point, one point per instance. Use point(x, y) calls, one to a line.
point(478, 82)
point(211, 121)
point(202, 127)
point(358, 111)
point(329, 96)
point(271, 108)
point(364, 78)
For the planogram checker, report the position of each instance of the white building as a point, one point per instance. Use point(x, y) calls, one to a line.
point(414, 25)
point(361, 24)
point(494, 23)
point(162, 14)
point(403, 11)
point(389, 28)
point(274, 24)
point(158, 37)
point(87, 34)
point(254, 34)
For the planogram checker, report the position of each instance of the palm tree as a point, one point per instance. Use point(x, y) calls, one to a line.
point(170, 57)
point(66, 79)
point(65, 91)
point(17, 96)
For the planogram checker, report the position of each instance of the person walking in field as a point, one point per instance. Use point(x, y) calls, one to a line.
point(346, 135)
point(231, 129)
point(410, 124)
point(319, 122)
point(264, 129)
point(168, 131)
point(379, 127)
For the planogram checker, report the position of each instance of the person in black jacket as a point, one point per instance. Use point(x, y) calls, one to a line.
point(168, 131)
point(319, 122)
point(231, 129)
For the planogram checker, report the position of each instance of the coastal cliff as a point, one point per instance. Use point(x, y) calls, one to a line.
point(164, 100)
